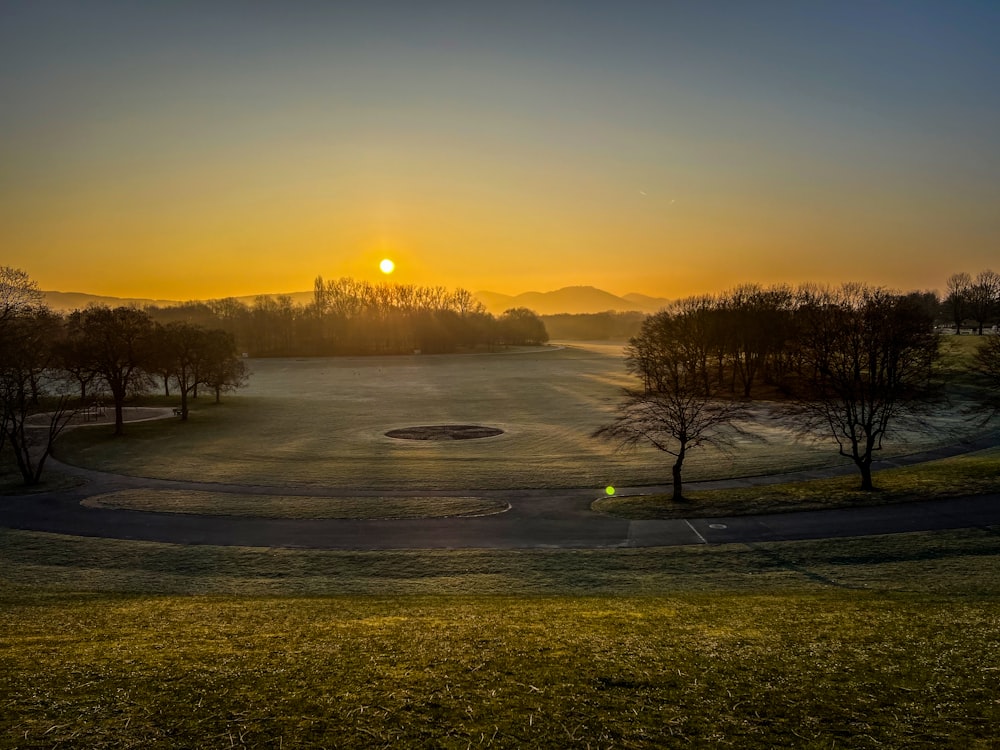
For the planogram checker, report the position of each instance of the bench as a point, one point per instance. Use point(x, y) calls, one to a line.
point(177, 411)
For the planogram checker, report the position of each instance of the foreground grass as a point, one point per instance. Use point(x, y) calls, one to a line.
point(813, 669)
point(969, 474)
point(296, 506)
point(885, 641)
point(947, 562)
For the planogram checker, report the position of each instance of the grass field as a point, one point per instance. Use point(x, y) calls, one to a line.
point(850, 643)
point(321, 423)
point(959, 476)
point(882, 642)
point(296, 506)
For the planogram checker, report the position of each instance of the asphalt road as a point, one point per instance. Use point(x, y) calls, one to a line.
point(557, 518)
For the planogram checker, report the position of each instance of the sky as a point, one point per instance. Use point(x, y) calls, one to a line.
point(182, 150)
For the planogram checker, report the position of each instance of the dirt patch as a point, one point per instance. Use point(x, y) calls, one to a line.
point(444, 432)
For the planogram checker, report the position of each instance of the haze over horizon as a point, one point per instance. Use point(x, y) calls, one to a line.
point(184, 151)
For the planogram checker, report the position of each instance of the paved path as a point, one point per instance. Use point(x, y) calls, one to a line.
point(556, 518)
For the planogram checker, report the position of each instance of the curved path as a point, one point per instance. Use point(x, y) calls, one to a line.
point(542, 518)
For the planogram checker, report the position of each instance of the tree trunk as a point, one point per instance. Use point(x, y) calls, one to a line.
point(166, 386)
point(35, 389)
point(184, 403)
point(218, 394)
point(675, 471)
point(865, 466)
point(22, 456)
point(119, 418)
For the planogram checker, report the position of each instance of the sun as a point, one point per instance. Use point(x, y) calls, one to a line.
point(387, 266)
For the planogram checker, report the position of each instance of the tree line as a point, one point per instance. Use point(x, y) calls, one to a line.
point(854, 363)
point(602, 326)
point(975, 300)
point(350, 317)
point(970, 302)
point(52, 366)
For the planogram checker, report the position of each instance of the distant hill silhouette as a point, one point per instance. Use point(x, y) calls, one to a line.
point(646, 303)
point(65, 301)
point(570, 299)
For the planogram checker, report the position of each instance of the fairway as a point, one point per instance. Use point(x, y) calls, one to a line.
point(321, 423)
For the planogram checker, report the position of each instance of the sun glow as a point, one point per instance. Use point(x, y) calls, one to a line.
point(387, 266)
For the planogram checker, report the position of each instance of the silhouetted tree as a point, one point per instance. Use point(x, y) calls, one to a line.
point(118, 345)
point(679, 407)
point(178, 350)
point(28, 370)
point(987, 364)
point(619, 326)
point(984, 298)
point(221, 367)
point(956, 301)
point(520, 326)
point(346, 316)
point(18, 293)
point(73, 355)
point(758, 323)
point(870, 355)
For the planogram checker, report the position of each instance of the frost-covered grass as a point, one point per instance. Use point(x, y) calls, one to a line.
point(322, 422)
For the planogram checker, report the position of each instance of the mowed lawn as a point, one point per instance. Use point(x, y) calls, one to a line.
point(865, 643)
point(322, 423)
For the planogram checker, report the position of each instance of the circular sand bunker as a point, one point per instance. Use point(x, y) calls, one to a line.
point(444, 432)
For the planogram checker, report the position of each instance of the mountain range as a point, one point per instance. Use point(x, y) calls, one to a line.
point(570, 299)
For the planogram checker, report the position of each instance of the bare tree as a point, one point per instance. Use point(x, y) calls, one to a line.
point(28, 338)
point(869, 355)
point(221, 367)
point(72, 354)
point(117, 345)
point(758, 321)
point(987, 364)
point(678, 407)
point(957, 299)
point(984, 298)
point(179, 349)
point(18, 293)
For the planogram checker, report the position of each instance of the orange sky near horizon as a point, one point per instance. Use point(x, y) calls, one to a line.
point(186, 152)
